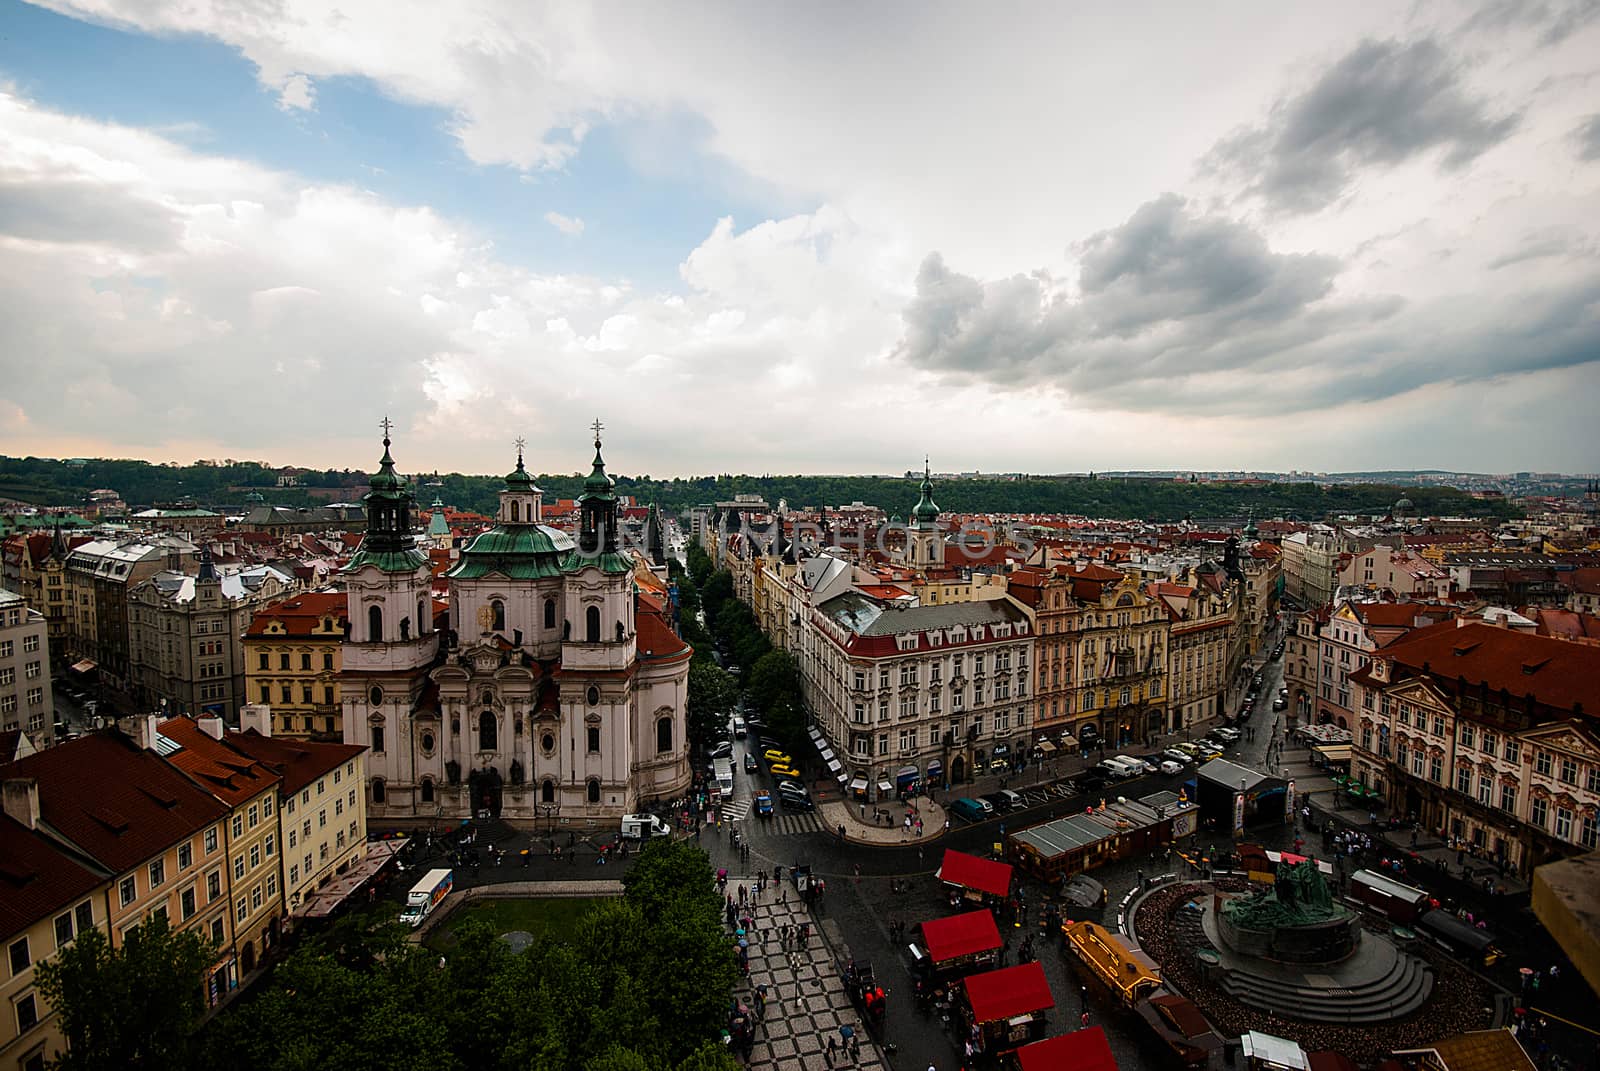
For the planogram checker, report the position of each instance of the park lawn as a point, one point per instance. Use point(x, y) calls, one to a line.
point(537, 916)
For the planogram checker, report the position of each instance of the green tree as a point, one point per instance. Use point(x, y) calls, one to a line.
point(712, 693)
point(138, 1006)
point(774, 686)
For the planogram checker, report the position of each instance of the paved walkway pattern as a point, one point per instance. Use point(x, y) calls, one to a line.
point(806, 999)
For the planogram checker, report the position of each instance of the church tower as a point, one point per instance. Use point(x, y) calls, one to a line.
point(521, 502)
point(599, 648)
point(924, 542)
point(391, 642)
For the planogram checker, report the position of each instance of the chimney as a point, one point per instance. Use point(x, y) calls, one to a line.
point(22, 800)
point(211, 725)
point(141, 729)
point(257, 716)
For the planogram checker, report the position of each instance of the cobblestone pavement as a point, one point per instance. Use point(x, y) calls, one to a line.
point(806, 1000)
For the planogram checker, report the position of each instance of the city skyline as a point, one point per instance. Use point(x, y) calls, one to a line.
point(1318, 240)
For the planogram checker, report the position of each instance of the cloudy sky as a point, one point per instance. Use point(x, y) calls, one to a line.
point(804, 237)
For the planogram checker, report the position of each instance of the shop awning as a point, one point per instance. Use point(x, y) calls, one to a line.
point(322, 903)
point(83, 666)
point(1333, 752)
point(1081, 1050)
point(960, 935)
point(885, 788)
point(1045, 746)
point(1008, 992)
point(859, 784)
point(970, 872)
point(834, 766)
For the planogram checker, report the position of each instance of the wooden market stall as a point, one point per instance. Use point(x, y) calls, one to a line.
point(960, 944)
point(1007, 1006)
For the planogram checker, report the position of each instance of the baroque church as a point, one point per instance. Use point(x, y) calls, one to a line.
point(550, 688)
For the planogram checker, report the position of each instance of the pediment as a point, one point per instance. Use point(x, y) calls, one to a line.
point(1568, 739)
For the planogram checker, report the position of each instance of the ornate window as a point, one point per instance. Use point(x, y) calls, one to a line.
point(498, 611)
point(547, 743)
point(427, 790)
point(592, 696)
point(549, 613)
point(375, 696)
point(591, 624)
point(594, 739)
point(663, 735)
point(547, 792)
point(427, 741)
point(488, 732)
point(374, 624)
point(423, 617)
point(516, 512)
point(377, 790)
point(594, 790)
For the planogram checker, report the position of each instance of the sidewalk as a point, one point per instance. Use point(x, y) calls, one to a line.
point(806, 999)
point(859, 828)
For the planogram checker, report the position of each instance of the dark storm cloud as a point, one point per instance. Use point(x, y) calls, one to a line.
point(1180, 312)
point(1587, 137)
point(55, 206)
point(1381, 105)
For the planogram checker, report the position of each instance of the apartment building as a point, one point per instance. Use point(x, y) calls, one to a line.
point(100, 575)
point(250, 835)
point(48, 897)
point(1486, 734)
point(186, 636)
point(154, 837)
point(26, 703)
point(322, 809)
point(942, 688)
point(1398, 571)
point(1353, 630)
point(1204, 628)
point(292, 658)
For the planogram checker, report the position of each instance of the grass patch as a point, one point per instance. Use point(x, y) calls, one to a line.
point(540, 917)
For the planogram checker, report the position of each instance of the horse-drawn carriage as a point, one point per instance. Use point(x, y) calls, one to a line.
point(866, 994)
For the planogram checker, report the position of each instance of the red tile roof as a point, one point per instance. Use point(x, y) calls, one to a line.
point(1008, 992)
point(960, 935)
point(37, 878)
point(297, 762)
point(655, 639)
point(230, 775)
point(302, 613)
point(121, 806)
point(1557, 673)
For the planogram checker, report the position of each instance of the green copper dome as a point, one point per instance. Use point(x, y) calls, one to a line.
point(597, 482)
point(385, 482)
point(518, 479)
point(926, 511)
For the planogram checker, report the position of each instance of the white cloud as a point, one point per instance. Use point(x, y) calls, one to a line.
point(297, 94)
point(571, 226)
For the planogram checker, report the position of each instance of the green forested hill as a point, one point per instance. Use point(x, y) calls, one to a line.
point(57, 483)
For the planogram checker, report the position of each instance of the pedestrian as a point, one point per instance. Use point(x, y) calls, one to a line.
point(1083, 1020)
point(833, 1046)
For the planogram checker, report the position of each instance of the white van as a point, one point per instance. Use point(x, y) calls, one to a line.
point(642, 826)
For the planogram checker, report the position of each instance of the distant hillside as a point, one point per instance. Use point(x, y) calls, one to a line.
point(58, 483)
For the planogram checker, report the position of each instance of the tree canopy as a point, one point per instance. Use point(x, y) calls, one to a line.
point(641, 982)
point(138, 1006)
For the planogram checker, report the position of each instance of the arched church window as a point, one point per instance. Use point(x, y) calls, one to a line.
point(594, 791)
point(488, 732)
point(405, 628)
point(423, 617)
point(549, 613)
point(377, 790)
point(591, 624)
point(427, 790)
point(498, 609)
point(516, 512)
point(374, 624)
point(547, 792)
point(663, 735)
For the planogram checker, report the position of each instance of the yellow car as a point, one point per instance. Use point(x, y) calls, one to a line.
point(778, 769)
point(1207, 754)
point(775, 755)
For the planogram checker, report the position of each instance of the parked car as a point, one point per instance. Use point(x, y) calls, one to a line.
point(1192, 750)
point(972, 810)
point(764, 804)
point(1013, 798)
point(1177, 755)
point(778, 755)
point(787, 785)
point(795, 801)
point(767, 743)
point(1230, 735)
point(750, 764)
point(722, 749)
point(1169, 767)
point(739, 727)
point(1280, 703)
point(994, 799)
point(1207, 754)
point(778, 769)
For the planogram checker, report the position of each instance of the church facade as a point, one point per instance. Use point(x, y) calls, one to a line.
point(550, 688)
